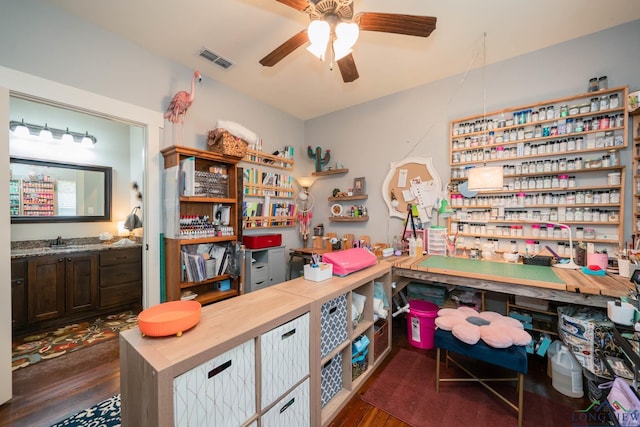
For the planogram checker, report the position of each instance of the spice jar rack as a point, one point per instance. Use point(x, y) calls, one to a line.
point(561, 164)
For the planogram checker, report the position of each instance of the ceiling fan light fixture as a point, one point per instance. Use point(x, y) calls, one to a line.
point(319, 33)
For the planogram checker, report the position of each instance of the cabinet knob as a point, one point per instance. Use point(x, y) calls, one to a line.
point(60, 259)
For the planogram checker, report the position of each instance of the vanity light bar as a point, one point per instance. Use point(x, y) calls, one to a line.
point(35, 130)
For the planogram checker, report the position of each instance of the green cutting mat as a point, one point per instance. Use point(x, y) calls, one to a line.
point(502, 269)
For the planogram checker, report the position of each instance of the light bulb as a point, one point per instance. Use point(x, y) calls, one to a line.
point(86, 140)
point(45, 134)
point(346, 36)
point(21, 130)
point(67, 137)
point(318, 33)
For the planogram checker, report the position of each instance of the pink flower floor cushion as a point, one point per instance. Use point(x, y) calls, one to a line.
point(469, 326)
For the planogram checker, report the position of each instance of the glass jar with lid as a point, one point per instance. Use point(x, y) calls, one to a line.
point(588, 215)
point(604, 102)
point(570, 214)
point(588, 197)
point(551, 114)
point(603, 83)
point(579, 214)
point(595, 105)
point(614, 196)
point(589, 233)
point(614, 101)
point(564, 110)
point(562, 145)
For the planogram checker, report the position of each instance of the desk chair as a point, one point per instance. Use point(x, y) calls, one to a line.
point(513, 358)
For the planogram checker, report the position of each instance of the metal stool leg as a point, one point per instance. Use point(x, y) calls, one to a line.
point(438, 370)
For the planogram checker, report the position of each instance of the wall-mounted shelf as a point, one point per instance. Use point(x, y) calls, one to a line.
point(331, 172)
point(349, 198)
point(348, 219)
point(271, 160)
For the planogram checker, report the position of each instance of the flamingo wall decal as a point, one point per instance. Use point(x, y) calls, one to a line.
point(182, 101)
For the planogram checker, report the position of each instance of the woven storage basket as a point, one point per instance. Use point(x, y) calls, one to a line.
point(221, 141)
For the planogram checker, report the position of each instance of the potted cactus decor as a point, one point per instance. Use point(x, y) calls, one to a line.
point(319, 159)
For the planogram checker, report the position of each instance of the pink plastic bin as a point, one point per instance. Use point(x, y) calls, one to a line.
point(421, 325)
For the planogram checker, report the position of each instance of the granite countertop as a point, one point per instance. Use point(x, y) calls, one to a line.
point(32, 250)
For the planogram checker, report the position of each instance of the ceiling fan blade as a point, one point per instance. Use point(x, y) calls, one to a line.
point(410, 25)
point(285, 49)
point(348, 68)
point(296, 4)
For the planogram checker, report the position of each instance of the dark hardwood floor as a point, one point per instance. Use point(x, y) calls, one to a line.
point(50, 391)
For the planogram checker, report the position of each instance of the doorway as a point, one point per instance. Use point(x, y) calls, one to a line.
point(17, 84)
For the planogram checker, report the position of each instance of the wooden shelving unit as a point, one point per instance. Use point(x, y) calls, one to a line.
point(563, 169)
point(264, 205)
point(205, 207)
point(635, 129)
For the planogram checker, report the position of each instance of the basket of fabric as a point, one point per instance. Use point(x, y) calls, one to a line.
point(222, 142)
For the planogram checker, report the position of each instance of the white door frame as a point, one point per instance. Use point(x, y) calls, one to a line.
point(12, 81)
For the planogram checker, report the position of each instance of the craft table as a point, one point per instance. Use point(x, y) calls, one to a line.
point(549, 283)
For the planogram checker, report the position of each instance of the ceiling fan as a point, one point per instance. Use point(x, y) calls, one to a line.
point(334, 27)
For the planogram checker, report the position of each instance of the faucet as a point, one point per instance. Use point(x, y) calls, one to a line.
point(58, 241)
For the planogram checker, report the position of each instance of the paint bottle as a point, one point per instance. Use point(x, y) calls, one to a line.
point(419, 245)
point(412, 246)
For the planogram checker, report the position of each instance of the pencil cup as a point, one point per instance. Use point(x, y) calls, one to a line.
point(624, 267)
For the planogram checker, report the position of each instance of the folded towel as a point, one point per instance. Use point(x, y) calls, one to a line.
point(238, 131)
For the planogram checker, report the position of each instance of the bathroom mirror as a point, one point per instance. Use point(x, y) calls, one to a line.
point(46, 191)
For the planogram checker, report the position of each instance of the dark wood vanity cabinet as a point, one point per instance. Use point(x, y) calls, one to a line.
point(49, 290)
point(18, 294)
point(121, 277)
point(61, 285)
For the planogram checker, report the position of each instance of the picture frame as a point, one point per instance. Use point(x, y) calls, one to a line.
point(358, 185)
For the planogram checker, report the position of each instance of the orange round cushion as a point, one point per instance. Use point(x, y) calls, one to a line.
point(169, 318)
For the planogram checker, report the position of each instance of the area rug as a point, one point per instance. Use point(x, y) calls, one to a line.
point(406, 390)
point(35, 348)
point(104, 414)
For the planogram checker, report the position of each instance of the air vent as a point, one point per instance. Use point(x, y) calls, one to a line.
point(215, 58)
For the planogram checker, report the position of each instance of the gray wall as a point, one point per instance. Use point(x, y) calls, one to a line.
point(44, 41)
point(367, 137)
point(60, 47)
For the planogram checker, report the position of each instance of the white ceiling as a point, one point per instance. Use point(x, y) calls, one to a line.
point(244, 31)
